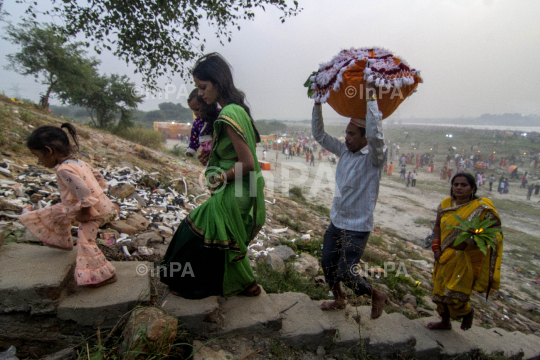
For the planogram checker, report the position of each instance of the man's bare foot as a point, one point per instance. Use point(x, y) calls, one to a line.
point(443, 325)
point(466, 323)
point(378, 299)
point(333, 305)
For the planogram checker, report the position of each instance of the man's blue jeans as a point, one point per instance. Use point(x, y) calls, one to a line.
point(342, 250)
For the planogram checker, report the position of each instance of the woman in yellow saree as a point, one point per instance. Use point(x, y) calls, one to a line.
point(463, 268)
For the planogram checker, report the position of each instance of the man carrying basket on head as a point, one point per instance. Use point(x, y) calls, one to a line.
point(361, 159)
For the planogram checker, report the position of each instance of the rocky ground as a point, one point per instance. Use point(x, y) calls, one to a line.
point(154, 191)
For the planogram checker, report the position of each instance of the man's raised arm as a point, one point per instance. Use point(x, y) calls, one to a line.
point(374, 135)
point(329, 142)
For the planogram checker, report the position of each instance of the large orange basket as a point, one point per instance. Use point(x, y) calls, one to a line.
point(341, 82)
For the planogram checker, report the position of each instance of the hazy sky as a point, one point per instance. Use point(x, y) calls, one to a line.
point(476, 56)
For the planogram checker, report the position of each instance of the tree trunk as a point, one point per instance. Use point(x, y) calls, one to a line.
point(90, 111)
point(45, 99)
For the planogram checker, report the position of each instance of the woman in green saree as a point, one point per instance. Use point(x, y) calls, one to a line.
point(207, 255)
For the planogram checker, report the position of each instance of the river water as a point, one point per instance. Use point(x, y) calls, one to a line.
point(482, 127)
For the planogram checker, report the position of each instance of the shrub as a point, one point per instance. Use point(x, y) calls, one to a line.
point(142, 136)
point(177, 150)
point(289, 280)
point(296, 192)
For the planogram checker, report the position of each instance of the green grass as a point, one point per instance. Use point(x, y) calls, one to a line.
point(314, 247)
point(296, 195)
point(424, 221)
point(289, 280)
point(530, 242)
point(285, 220)
point(512, 206)
point(394, 281)
point(142, 136)
point(177, 150)
point(374, 258)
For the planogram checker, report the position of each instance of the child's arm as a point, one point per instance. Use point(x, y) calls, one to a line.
point(100, 179)
point(194, 139)
point(78, 188)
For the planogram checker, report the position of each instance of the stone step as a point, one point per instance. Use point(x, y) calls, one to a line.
point(457, 342)
point(305, 325)
point(107, 304)
point(33, 277)
point(453, 342)
point(388, 335)
point(198, 316)
point(243, 315)
point(350, 339)
point(512, 344)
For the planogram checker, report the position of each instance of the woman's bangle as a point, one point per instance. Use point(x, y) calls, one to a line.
point(436, 245)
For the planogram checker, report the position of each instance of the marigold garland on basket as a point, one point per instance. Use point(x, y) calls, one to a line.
point(342, 81)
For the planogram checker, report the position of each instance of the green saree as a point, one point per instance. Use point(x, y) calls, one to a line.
point(214, 237)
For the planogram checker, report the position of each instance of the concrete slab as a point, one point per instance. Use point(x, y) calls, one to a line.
point(305, 325)
point(530, 344)
point(388, 338)
point(426, 348)
point(198, 316)
point(33, 277)
point(455, 343)
point(348, 331)
point(495, 341)
point(243, 315)
point(108, 303)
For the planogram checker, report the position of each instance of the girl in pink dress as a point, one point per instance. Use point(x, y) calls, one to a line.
point(82, 199)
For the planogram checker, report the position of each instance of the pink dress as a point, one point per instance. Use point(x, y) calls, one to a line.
point(80, 186)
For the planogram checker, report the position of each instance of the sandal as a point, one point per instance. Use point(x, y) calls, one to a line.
point(252, 291)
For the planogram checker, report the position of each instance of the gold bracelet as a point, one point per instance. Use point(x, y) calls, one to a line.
point(233, 171)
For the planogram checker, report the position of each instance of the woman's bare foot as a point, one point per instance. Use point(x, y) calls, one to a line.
point(333, 305)
point(103, 283)
point(440, 325)
point(467, 321)
point(378, 298)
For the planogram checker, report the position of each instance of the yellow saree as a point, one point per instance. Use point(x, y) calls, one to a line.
point(459, 272)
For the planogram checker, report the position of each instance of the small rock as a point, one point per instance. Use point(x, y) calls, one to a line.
point(122, 192)
point(149, 328)
point(307, 264)
point(410, 307)
point(5, 205)
point(108, 218)
point(139, 199)
point(528, 307)
point(284, 252)
point(274, 262)
point(321, 351)
point(122, 227)
point(137, 221)
point(36, 197)
point(147, 238)
point(410, 299)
